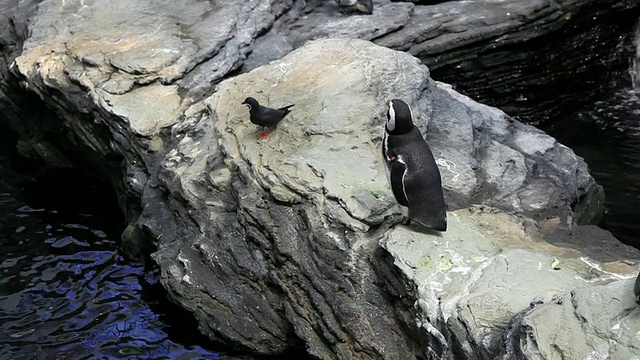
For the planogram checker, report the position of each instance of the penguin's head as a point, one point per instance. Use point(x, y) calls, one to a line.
point(399, 118)
point(251, 103)
point(365, 6)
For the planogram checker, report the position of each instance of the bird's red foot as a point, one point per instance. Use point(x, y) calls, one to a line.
point(263, 136)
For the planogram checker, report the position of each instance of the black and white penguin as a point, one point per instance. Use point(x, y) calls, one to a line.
point(636, 289)
point(411, 169)
point(356, 6)
point(364, 6)
point(265, 117)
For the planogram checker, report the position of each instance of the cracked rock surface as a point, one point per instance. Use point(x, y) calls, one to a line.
point(311, 206)
point(496, 291)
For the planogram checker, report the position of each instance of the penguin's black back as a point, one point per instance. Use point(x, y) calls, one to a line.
point(422, 182)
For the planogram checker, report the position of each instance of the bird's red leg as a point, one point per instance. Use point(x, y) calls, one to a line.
point(262, 135)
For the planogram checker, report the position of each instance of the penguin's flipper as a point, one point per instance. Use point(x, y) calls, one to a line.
point(397, 171)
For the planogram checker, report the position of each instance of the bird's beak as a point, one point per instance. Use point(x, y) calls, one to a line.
point(243, 103)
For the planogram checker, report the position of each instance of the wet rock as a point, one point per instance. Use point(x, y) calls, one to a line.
point(497, 52)
point(531, 335)
point(488, 158)
point(540, 59)
point(311, 203)
point(189, 44)
point(490, 279)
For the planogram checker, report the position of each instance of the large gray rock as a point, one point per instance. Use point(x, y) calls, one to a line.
point(532, 335)
point(487, 158)
point(495, 290)
point(439, 34)
point(119, 48)
point(309, 206)
point(286, 242)
point(498, 52)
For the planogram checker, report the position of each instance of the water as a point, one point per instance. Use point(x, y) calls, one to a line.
point(606, 133)
point(66, 289)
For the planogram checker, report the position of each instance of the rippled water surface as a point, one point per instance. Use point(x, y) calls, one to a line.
point(67, 292)
point(606, 134)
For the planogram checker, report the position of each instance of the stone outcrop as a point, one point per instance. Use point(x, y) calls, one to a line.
point(291, 242)
point(312, 201)
point(495, 290)
point(509, 54)
point(532, 334)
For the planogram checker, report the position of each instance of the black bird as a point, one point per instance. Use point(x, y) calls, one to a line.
point(264, 117)
point(411, 169)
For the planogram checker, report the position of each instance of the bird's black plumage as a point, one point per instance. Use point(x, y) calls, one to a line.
point(265, 117)
point(413, 174)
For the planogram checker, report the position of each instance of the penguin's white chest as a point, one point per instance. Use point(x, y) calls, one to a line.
point(386, 157)
point(395, 167)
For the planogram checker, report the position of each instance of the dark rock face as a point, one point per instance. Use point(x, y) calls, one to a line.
point(535, 78)
point(287, 242)
point(512, 55)
point(18, 104)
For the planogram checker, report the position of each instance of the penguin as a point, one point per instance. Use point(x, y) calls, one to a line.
point(411, 169)
point(636, 289)
point(265, 117)
point(352, 6)
point(364, 6)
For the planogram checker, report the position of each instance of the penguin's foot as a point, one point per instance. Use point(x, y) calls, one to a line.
point(355, 10)
point(398, 220)
point(263, 136)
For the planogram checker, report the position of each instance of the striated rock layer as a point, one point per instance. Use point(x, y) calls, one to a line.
point(291, 241)
point(533, 59)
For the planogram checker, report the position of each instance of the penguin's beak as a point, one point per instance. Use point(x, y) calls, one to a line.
point(243, 103)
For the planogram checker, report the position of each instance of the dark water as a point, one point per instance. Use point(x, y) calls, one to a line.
point(606, 133)
point(66, 289)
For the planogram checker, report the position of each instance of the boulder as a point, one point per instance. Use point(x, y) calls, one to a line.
point(533, 336)
point(533, 59)
point(493, 288)
point(309, 206)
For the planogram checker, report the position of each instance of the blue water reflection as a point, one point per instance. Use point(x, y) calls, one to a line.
point(67, 292)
